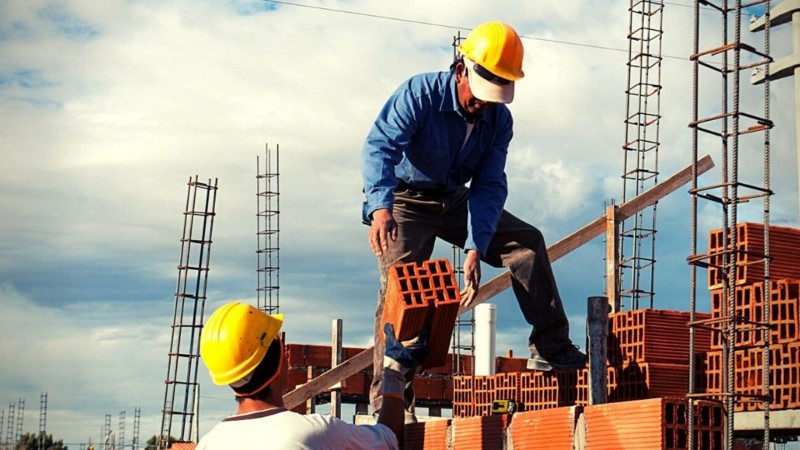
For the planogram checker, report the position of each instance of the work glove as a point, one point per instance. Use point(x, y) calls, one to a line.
point(399, 358)
point(468, 294)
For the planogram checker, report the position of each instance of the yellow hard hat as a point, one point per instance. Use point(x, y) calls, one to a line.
point(497, 48)
point(235, 339)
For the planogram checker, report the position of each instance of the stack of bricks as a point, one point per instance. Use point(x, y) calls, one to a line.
point(433, 385)
point(750, 249)
point(653, 423)
point(658, 423)
point(423, 296)
point(553, 429)
point(748, 308)
point(479, 432)
point(648, 350)
point(428, 435)
point(648, 357)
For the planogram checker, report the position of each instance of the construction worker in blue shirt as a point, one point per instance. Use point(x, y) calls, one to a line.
point(437, 133)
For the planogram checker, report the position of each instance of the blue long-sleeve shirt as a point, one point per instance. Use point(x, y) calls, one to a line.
point(417, 138)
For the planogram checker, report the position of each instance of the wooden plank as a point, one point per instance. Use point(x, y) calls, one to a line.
point(500, 283)
point(336, 359)
point(327, 379)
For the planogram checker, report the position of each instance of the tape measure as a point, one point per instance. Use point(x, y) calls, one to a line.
point(504, 406)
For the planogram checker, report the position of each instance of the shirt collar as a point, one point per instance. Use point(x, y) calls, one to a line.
point(450, 97)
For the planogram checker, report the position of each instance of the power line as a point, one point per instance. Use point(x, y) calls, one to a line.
point(453, 27)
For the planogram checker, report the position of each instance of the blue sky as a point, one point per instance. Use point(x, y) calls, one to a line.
point(108, 108)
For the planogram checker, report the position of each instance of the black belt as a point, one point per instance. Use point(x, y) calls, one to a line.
point(403, 186)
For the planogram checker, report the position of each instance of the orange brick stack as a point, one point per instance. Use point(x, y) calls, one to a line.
point(649, 351)
point(507, 386)
point(544, 390)
point(463, 396)
point(473, 395)
point(659, 423)
point(653, 336)
point(748, 306)
point(429, 387)
point(483, 393)
point(428, 435)
point(648, 357)
point(553, 429)
point(434, 385)
point(419, 296)
point(582, 387)
point(480, 432)
point(750, 249)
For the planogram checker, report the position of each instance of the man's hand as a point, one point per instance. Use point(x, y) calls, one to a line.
point(472, 278)
point(382, 229)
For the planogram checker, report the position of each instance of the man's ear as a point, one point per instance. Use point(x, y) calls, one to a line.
point(461, 70)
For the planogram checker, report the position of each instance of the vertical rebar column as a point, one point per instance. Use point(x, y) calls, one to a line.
point(10, 425)
point(187, 322)
point(783, 13)
point(107, 432)
point(463, 339)
point(642, 142)
point(2, 428)
point(137, 413)
point(121, 431)
point(765, 331)
point(268, 222)
point(726, 125)
point(20, 419)
point(42, 420)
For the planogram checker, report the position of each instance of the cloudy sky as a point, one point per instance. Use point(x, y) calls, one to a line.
point(108, 108)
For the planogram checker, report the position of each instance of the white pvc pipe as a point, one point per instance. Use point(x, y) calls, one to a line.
point(485, 321)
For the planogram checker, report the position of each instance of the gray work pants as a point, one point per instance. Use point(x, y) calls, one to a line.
point(422, 217)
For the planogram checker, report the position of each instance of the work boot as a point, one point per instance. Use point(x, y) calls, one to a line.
point(566, 358)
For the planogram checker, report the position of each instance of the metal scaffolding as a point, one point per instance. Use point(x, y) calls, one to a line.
point(137, 413)
point(181, 393)
point(637, 236)
point(739, 133)
point(121, 430)
point(463, 340)
point(20, 419)
point(268, 206)
point(108, 443)
point(10, 442)
point(42, 420)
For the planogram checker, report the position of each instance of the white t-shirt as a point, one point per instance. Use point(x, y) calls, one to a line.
point(277, 428)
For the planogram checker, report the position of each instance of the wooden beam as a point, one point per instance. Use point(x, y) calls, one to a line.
point(336, 359)
point(500, 283)
point(328, 378)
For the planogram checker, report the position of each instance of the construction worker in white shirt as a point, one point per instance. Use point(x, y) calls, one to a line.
point(241, 347)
